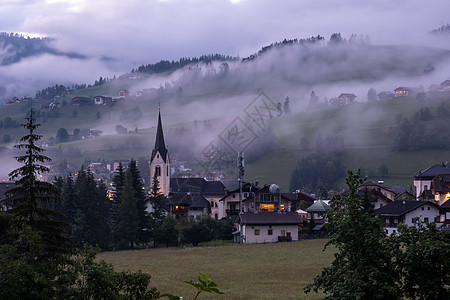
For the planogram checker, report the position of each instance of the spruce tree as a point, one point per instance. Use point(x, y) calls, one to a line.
point(141, 201)
point(33, 199)
point(126, 230)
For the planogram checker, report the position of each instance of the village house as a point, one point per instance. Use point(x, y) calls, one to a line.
point(78, 101)
point(378, 187)
point(405, 212)
point(187, 204)
point(101, 100)
point(423, 179)
point(440, 188)
point(347, 98)
point(445, 85)
point(385, 96)
point(407, 91)
point(317, 212)
point(198, 190)
point(444, 211)
point(267, 227)
point(123, 93)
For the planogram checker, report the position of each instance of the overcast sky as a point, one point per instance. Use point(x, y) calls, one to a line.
point(135, 32)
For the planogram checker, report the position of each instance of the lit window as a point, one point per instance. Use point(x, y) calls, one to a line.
point(256, 231)
point(282, 207)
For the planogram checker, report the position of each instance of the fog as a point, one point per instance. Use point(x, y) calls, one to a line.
point(114, 37)
point(117, 36)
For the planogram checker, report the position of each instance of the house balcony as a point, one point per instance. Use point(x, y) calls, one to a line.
point(231, 212)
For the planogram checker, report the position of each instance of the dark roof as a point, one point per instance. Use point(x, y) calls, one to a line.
point(441, 183)
point(401, 207)
point(197, 185)
point(270, 218)
point(376, 185)
point(160, 144)
point(190, 200)
point(446, 204)
point(431, 172)
point(405, 196)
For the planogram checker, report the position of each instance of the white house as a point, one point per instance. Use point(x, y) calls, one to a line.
point(405, 211)
point(269, 227)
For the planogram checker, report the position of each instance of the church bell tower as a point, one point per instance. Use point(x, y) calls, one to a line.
point(159, 161)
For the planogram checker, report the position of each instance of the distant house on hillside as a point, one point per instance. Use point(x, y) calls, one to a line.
point(101, 100)
point(407, 91)
point(78, 101)
point(384, 96)
point(347, 98)
point(445, 85)
point(123, 93)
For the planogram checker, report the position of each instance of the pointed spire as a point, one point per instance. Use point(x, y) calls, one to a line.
point(160, 145)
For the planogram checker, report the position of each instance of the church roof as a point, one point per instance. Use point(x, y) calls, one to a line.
point(160, 144)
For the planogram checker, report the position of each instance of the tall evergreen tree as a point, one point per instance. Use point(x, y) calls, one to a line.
point(33, 198)
point(117, 182)
point(126, 230)
point(91, 225)
point(141, 201)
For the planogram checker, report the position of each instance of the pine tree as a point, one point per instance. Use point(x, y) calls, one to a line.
point(33, 198)
point(141, 201)
point(126, 230)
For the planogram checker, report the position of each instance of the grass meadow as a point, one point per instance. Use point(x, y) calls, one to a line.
point(250, 271)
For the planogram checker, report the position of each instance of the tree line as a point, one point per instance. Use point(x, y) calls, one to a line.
point(166, 65)
point(423, 130)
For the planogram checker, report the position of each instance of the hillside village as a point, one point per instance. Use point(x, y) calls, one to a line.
point(261, 213)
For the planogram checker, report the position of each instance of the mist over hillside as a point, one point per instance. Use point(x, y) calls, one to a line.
point(202, 103)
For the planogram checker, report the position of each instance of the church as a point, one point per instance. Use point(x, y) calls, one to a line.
point(185, 196)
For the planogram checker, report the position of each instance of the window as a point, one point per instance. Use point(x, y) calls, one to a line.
point(234, 196)
point(423, 208)
point(283, 232)
point(266, 197)
point(425, 220)
point(428, 208)
point(256, 231)
point(158, 171)
point(269, 231)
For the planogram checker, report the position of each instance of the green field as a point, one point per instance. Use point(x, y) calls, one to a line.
point(252, 271)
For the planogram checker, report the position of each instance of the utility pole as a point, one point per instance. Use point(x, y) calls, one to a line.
point(240, 165)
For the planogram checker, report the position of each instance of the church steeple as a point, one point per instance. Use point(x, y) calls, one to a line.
point(159, 161)
point(160, 144)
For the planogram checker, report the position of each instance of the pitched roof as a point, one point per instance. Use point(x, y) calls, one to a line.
point(431, 172)
point(198, 186)
point(319, 206)
point(190, 200)
point(270, 218)
point(399, 208)
point(160, 144)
